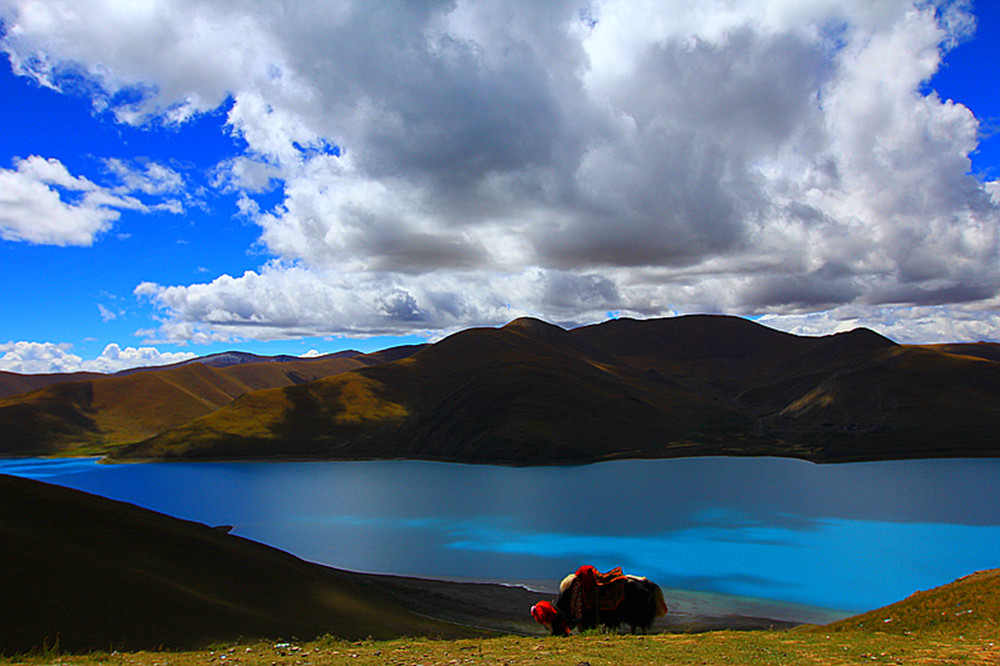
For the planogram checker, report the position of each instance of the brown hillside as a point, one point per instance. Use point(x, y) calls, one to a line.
point(904, 402)
point(88, 416)
point(91, 573)
point(12, 383)
point(532, 393)
point(986, 350)
point(525, 393)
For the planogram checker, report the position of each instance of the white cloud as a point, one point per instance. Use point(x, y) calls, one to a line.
point(445, 164)
point(42, 202)
point(107, 314)
point(909, 325)
point(284, 301)
point(47, 357)
point(38, 357)
point(114, 358)
point(32, 207)
point(148, 177)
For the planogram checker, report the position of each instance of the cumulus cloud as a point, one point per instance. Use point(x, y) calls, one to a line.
point(912, 325)
point(42, 202)
point(47, 357)
point(444, 164)
point(32, 207)
point(281, 301)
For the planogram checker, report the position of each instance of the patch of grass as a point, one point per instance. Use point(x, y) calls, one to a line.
point(724, 647)
point(970, 606)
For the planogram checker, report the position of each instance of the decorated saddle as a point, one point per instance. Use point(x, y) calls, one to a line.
point(598, 591)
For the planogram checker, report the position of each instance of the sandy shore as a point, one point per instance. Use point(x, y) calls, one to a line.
point(506, 608)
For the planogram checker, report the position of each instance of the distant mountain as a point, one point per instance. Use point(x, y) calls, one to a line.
point(12, 383)
point(94, 413)
point(534, 393)
point(987, 350)
point(88, 573)
point(230, 358)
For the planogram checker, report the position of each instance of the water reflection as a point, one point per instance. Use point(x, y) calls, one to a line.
point(850, 537)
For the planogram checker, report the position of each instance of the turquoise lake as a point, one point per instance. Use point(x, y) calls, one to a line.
point(844, 537)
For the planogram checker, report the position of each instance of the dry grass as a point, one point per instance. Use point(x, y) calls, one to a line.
point(730, 648)
point(362, 403)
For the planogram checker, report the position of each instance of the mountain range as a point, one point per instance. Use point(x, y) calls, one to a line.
point(534, 393)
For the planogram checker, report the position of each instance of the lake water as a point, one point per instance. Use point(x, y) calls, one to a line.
point(846, 537)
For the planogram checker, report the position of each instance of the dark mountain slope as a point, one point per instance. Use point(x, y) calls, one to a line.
point(92, 573)
point(526, 393)
point(905, 402)
point(12, 383)
point(533, 393)
point(729, 355)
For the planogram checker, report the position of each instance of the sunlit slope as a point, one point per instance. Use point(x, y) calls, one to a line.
point(702, 385)
point(92, 415)
point(93, 573)
point(521, 394)
point(987, 350)
point(968, 606)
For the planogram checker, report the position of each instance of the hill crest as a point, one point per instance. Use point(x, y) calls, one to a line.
point(534, 393)
point(968, 605)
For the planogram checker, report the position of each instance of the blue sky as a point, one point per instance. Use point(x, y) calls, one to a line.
point(186, 178)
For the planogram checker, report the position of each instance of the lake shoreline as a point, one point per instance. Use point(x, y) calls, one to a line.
point(506, 608)
point(759, 529)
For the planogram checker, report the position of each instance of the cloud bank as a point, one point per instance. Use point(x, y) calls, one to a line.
point(454, 163)
point(47, 357)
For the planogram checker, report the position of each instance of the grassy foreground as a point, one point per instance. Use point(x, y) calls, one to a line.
point(957, 623)
point(798, 646)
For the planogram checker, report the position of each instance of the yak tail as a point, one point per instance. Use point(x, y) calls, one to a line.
point(661, 605)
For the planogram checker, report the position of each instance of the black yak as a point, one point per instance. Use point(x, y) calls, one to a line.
point(588, 599)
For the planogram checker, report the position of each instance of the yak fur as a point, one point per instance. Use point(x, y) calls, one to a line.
point(642, 603)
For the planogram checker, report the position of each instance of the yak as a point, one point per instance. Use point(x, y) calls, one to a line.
point(588, 599)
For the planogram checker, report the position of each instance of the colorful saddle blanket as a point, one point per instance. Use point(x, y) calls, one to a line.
point(601, 591)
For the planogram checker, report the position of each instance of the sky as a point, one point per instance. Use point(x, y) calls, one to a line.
point(180, 177)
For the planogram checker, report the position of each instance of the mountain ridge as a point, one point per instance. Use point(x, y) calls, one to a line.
point(534, 393)
point(90, 414)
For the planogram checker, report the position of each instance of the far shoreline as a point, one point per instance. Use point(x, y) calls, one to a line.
point(505, 607)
